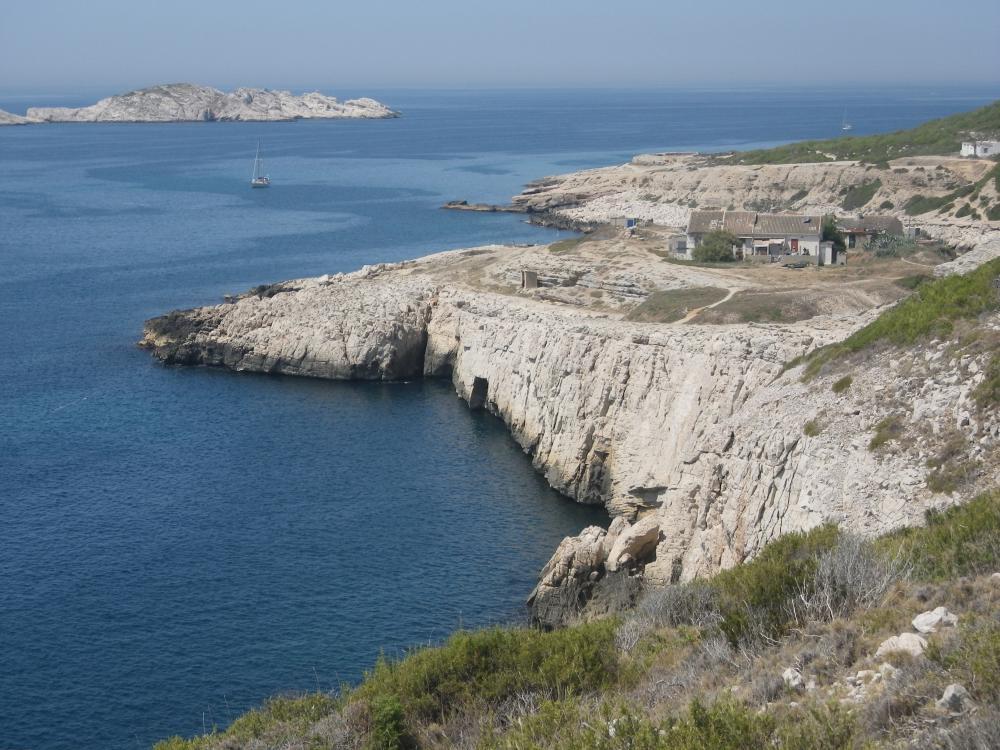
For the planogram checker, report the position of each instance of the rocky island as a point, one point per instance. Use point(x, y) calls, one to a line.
point(187, 102)
point(6, 118)
point(792, 428)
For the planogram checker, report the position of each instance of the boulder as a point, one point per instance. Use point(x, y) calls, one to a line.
point(568, 579)
point(909, 643)
point(635, 544)
point(930, 621)
point(793, 679)
point(955, 698)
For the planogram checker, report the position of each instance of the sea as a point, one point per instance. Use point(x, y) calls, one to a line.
point(177, 545)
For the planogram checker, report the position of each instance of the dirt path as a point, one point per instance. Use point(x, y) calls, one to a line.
point(698, 310)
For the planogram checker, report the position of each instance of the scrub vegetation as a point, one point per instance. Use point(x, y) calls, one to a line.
point(932, 310)
point(936, 137)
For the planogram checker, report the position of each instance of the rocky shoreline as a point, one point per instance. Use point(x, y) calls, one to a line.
point(691, 435)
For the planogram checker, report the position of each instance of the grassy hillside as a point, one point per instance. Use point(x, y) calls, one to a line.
point(936, 137)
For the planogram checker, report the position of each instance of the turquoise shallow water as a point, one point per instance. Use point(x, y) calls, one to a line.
point(176, 545)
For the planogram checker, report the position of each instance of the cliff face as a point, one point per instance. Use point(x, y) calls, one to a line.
point(181, 102)
point(693, 432)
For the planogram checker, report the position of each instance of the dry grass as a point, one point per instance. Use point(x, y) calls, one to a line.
point(671, 305)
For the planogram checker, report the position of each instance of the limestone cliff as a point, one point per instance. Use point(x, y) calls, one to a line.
point(695, 429)
point(180, 102)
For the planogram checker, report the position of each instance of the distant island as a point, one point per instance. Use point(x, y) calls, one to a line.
point(188, 102)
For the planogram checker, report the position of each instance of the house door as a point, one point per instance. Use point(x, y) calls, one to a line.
point(795, 246)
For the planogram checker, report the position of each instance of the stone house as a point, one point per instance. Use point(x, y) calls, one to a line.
point(981, 149)
point(761, 236)
point(858, 233)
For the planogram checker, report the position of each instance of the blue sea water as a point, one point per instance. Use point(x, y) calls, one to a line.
point(177, 545)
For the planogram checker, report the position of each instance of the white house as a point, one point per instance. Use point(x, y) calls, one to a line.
point(980, 148)
point(760, 236)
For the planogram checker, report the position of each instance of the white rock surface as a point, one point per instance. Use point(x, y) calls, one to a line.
point(930, 621)
point(634, 543)
point(955, 698)
point(909, 643)
point(694, 429)
point(180, 102)
point(7, 118)
point(793, 679)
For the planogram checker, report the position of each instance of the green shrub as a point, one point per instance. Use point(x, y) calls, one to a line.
point(949, 477)
point(860, 195)
point(961, 541)
point(886, 206)
point(388, 726)
point(724, 725)
point(282, 717)
point(972, 658)
point(754, 596)
point(993, 214)
point(843, 384)
point(812, 428)
point(490, 665)
point(987, 393)
point(931, 310)
point(715, 247)
point(798, 195)
point(888, 429)
point(965, 210)
point(941, 136)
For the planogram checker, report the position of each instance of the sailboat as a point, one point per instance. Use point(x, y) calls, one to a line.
point(844, 124)
point(259, 179)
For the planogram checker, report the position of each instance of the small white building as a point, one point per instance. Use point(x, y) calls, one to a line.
point(761, 236)
point(980, 149)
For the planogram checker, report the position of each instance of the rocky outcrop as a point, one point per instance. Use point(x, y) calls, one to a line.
point(6, 118)
point(183, 102)
point(663, 188)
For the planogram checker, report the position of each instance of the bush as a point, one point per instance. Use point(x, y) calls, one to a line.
point(812, 428)
point(754, 597)
point(850, 576)
point(890, 428)
point(715, 247)
point(972, 657)
point(987, 393)
point(491, 665)
point(961, 541)
point(860, 195)
point(930, 310)
point(843, 384)
point(388, 728)
point(830, 233)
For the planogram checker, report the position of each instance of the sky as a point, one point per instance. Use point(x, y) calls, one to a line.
point(64, 46)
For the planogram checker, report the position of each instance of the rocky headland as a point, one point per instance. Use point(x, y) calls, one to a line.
point(186, 102)
point(697, 437)
point(6, 118)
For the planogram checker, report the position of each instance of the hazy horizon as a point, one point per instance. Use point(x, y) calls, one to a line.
point(52, 47)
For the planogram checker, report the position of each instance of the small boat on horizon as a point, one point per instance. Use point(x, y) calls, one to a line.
point(259, 179)
point(844, 124)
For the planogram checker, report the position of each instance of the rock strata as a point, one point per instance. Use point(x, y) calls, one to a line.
point(184, 102)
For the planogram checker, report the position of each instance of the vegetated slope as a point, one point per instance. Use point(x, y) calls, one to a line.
point(936, 137)
point(787, 651)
